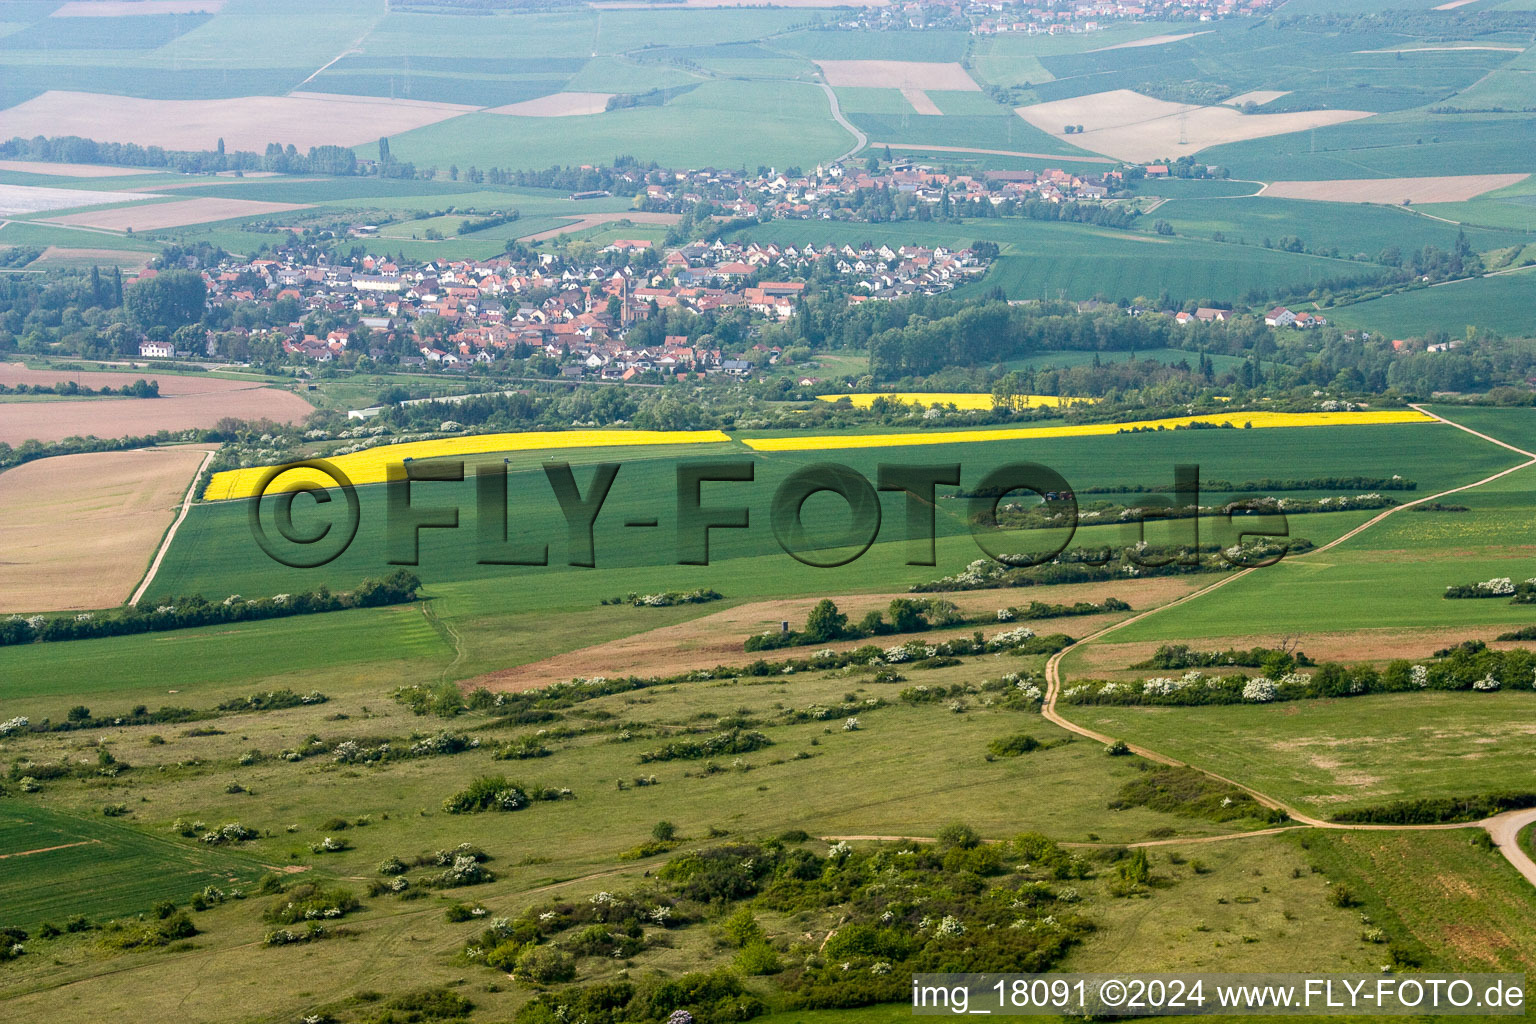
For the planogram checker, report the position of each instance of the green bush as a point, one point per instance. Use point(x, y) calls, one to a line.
point(545, 965)
point(758, 958)
point(1013, 746)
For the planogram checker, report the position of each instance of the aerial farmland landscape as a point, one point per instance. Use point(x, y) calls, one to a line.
point(794, 511)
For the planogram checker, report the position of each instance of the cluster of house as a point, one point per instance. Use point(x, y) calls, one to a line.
point(1043, 16)
point(457, 313)
point(1282, 317)
point(848, 193)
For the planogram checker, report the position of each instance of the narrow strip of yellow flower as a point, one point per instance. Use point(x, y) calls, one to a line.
point(370, 465)
point(1257, 420)
point(960, 400)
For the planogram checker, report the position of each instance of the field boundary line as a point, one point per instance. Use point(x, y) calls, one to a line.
point(50, 849)
point(1503, 828)
point(170, 535)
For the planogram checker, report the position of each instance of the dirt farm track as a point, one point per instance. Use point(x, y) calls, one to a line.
point(184, 402)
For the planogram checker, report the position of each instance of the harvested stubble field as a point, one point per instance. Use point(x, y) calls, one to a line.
point(12, 374)
point(172, 215)
point(717, 638)
point(78, 530)
point(1394, 191)
point(244, 122)
point(1131, 126)
point(560, 104)
point(134, 417)
point(65, 257)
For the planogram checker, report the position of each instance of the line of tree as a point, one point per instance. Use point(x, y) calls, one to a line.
point(398, 587)
point(72, 149)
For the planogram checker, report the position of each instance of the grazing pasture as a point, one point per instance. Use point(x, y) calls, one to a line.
point(1329, 755)
point(78, 531)
point(1130, 126)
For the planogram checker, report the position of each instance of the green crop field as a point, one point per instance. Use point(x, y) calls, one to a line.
point(59, 864)
point(1493, 303)
point(1348, 228)
point(1051, 260)
point(1390, 146)
point(791, 125)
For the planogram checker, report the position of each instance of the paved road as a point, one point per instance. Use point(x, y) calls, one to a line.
point(837, 115)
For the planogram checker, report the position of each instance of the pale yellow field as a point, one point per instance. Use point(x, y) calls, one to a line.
point(1152, 41)
point(68, 170)
point(1257, 420)
point(1258, 97)
point(371, 466)
point(173, 215)
point(560, 104)
point(1394, 191)
point(1131, 126)
point(921, 101)
point(897, 74)
point(244, 122)
point(78, 530)
point(960, 400)
point(120, 8)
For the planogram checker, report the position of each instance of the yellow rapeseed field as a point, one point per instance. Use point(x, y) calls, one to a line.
point(369, 466)
point(959, 399)
point(1257, 420)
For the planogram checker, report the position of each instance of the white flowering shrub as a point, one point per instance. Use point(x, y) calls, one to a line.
point(1260, 690)
point(1005, 615)
point(1487, 684)
point(951, 926)
point(14, 725)
point(851, 725)
point(1418, 675)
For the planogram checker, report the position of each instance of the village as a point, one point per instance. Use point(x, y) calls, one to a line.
point(985, 17)
point(452, 315)
point(904, 189)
